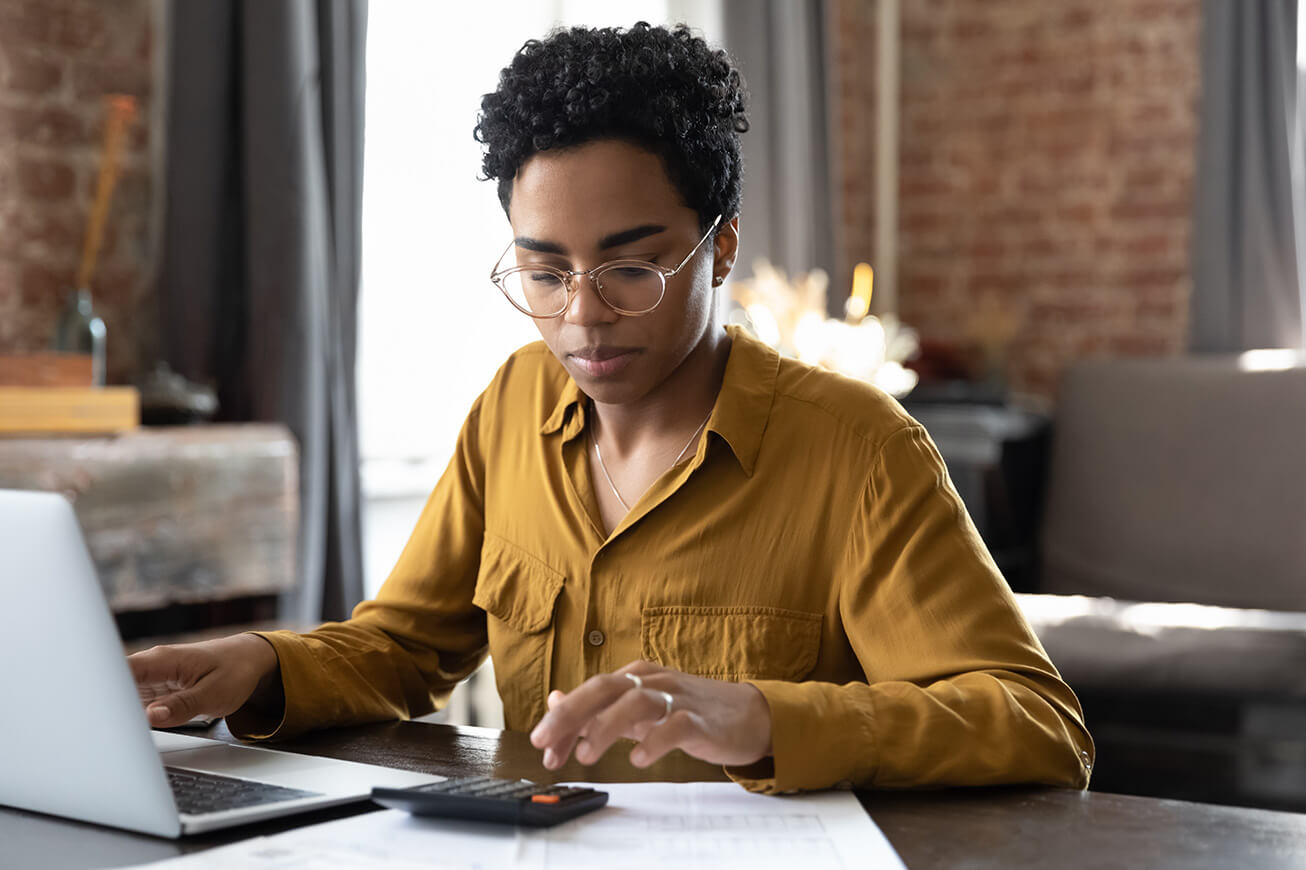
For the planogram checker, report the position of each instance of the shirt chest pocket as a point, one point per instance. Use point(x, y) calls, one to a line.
point(732, 643)
point(518, 592)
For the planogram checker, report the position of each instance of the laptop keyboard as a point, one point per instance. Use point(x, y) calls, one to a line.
point(197, 793)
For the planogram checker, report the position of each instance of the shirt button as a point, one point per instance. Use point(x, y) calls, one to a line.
point(595, 638)
point(1088, 763)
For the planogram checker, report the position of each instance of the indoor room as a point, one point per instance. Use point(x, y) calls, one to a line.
point(817, 429)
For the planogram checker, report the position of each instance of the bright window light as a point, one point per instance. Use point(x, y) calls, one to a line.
point(432, 328)
point(1271, 359)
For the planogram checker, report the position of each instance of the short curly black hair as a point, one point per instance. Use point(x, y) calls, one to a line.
point(664, 90)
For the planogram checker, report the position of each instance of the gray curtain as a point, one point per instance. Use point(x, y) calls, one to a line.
point(788, 217)
point(260, 272)
point(1247, 247)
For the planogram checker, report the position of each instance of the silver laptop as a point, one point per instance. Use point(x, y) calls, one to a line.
point(74, 740)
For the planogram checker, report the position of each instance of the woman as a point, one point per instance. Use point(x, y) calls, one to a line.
point(658, 528)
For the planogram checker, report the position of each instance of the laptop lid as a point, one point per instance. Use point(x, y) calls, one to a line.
point(62, 657)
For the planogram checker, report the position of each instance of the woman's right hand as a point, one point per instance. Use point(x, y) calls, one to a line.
point(178, 682)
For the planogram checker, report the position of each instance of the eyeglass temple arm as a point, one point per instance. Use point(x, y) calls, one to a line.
point(494, 271)
point(691, 254)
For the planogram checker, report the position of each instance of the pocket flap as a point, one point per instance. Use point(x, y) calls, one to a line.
point(515, 586)
point(732, 643)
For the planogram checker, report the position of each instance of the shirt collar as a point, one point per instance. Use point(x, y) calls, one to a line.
point(561, 416)
point(742, 408)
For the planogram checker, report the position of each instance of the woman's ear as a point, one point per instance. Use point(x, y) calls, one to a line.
point(725, 247)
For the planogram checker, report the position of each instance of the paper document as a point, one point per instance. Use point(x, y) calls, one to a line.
point(661, 826)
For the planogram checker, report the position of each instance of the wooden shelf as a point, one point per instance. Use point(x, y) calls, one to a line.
point(68, 410)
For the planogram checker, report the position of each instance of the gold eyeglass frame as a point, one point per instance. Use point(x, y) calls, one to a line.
point(567, 277)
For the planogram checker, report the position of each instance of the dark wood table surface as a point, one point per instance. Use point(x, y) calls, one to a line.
point(962, 828)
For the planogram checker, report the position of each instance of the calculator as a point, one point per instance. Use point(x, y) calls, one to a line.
point(482, 799)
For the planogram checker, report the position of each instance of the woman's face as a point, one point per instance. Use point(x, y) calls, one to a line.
point(576, 208)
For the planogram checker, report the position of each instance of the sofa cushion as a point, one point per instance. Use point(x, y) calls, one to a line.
point(1107, 644)
point(1179, 480)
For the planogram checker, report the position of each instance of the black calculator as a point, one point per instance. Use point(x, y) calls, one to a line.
point(482, 799)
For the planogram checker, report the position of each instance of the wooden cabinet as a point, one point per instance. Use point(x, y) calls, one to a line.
point(175, 516)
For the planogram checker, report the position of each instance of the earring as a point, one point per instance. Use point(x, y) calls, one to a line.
point(717, 280)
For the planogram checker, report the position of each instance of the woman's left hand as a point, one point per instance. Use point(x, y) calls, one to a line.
point(717, 721)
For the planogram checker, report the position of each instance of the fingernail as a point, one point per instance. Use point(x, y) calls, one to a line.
point(550, 759)
point(159, 713)
point(538, 737)
point(638, 756)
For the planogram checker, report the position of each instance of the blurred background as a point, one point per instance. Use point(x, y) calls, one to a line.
point(1086, 222)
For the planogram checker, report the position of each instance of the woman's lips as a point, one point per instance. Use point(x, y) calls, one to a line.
point(603, 362)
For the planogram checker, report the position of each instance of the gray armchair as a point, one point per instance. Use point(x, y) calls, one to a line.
point(1174, 557)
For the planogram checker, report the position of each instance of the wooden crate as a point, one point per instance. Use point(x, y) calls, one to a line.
point(39, 411)
point(46, 370)
point(175, 515)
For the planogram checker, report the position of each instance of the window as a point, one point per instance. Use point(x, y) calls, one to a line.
point(1298, 157)
point(432, 329)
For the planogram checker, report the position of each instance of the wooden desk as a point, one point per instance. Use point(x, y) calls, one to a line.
point(1015, 827)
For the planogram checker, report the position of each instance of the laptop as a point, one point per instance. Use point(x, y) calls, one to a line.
point(61, 657)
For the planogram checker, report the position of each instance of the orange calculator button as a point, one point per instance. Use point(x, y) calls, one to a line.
point(545, 798)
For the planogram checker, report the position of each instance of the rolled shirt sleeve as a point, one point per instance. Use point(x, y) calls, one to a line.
point(401, 654)
point(958, 689)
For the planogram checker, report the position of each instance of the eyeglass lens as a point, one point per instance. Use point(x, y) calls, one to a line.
point(624, 287)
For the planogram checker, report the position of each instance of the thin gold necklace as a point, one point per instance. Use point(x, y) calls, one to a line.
point(604, 467)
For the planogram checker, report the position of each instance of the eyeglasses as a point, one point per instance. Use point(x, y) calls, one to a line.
point(629, 287)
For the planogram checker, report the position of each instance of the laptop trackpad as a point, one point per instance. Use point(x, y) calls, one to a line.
point(325, 775)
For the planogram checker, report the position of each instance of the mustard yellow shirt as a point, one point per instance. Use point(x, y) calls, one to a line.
point(813, 546)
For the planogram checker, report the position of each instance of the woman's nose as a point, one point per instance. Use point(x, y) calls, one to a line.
point(584, 304)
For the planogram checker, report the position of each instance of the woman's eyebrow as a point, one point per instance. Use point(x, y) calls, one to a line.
point(538, 245)
point(625, 237)
point(611, 240)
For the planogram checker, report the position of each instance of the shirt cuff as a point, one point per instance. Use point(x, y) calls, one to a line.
point(819, 739)
point(250, 723)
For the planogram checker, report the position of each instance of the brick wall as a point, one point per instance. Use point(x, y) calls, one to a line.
point(1047, 162)
point(58, 58)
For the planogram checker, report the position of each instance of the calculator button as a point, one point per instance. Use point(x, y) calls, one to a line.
point(545, 798)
